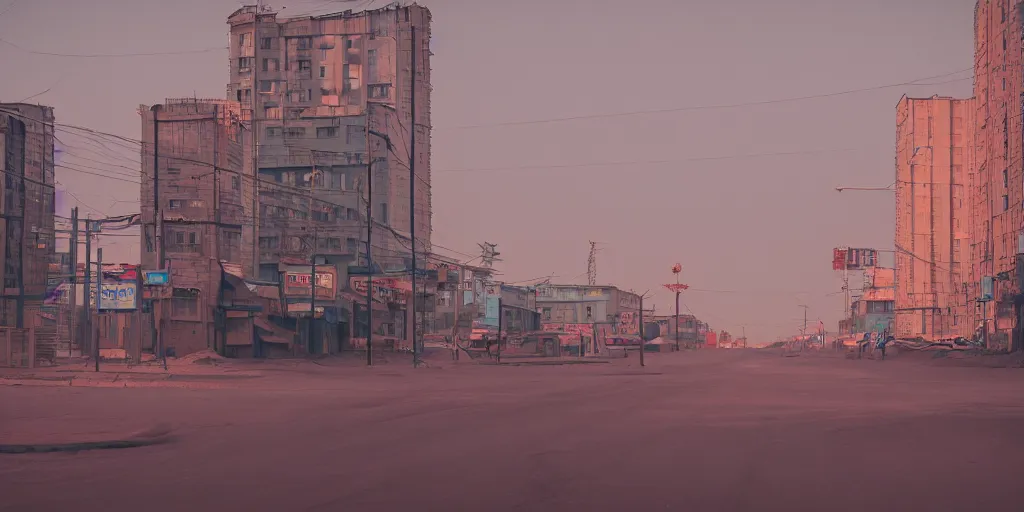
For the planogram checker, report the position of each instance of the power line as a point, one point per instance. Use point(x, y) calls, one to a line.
point(110, 55)
point(721, 106)
point(655, 162)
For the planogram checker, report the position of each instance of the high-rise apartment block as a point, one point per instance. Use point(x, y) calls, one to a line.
point(959, 169)
point(332, 100)
point(934, 139)
point(197, 210)
point(26, 209)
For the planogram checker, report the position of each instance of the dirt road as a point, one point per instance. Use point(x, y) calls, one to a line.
point(705, 431)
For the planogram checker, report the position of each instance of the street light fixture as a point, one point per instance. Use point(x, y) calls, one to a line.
point(677, 287)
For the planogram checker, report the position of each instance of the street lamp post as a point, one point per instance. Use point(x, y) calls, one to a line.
point(677, 288)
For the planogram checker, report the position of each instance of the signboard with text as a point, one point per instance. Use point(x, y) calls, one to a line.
point(116, 297)
point(296, 282)
point(854, 259)
point(385, 290)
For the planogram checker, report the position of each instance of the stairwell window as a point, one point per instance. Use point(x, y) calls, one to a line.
point(1006, 202)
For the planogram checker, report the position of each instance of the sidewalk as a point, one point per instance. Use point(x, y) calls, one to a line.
point(199, 371)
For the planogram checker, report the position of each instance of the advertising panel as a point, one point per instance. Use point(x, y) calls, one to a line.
point(116, 297)
point(296, 282)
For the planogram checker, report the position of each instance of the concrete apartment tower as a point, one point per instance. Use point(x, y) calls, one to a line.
point(197, 214)
point(934, 141)
point(26, 210)
point(996, 212)
point(330, 100)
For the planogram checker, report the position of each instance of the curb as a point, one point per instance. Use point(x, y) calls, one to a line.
point(83, 383)
point(154, 436)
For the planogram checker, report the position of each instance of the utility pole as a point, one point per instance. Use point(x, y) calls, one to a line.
point(412, 191)
point(216, 235)
point(99, 302)
point(369, 238)
point(501, 324)
point(255, 139)
point(592, 265)
point(804, 330)
point(73, 299)
point(88, 279)
point(642, 330)
point(312, 262)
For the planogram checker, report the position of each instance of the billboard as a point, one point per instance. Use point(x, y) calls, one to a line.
point(116, 297)
point(857, 259)
point(854, 259)
point(838, 259)
point(296, 281)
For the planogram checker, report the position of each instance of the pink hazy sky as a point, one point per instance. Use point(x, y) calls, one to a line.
point(754, 234)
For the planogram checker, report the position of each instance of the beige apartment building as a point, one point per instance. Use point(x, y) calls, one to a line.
point(331, 99)
point(26, 210)
point(934, 139)
point(197, 214)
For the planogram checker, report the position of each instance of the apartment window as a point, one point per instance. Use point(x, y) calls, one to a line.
point(184, 241)
point(236, 183)
point(305, 43)
point(265, 43)
point(271, 65)
point(294, 113)
point(197, 203)
point(244, 63)
point(379, 91)
point(545, 313)
point(273, 131)
point(1006, 178)
point(243, 94)
point(266, 86)
point(323, 71)
point(1006, 202)
point(326, 132)
point(348, 44)
point(272, 113)
point(304, 65)
point(231, 245)
point(295, 131)
point(350, 245)
point(371, 57)
point(384, 213)
point(354, 134)
point(590, 313)
point(244, 39)
point(269, 242)
point(1004, 84)
point(175, 204)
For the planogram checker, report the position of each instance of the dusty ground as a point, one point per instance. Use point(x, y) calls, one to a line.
point(693, 431)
